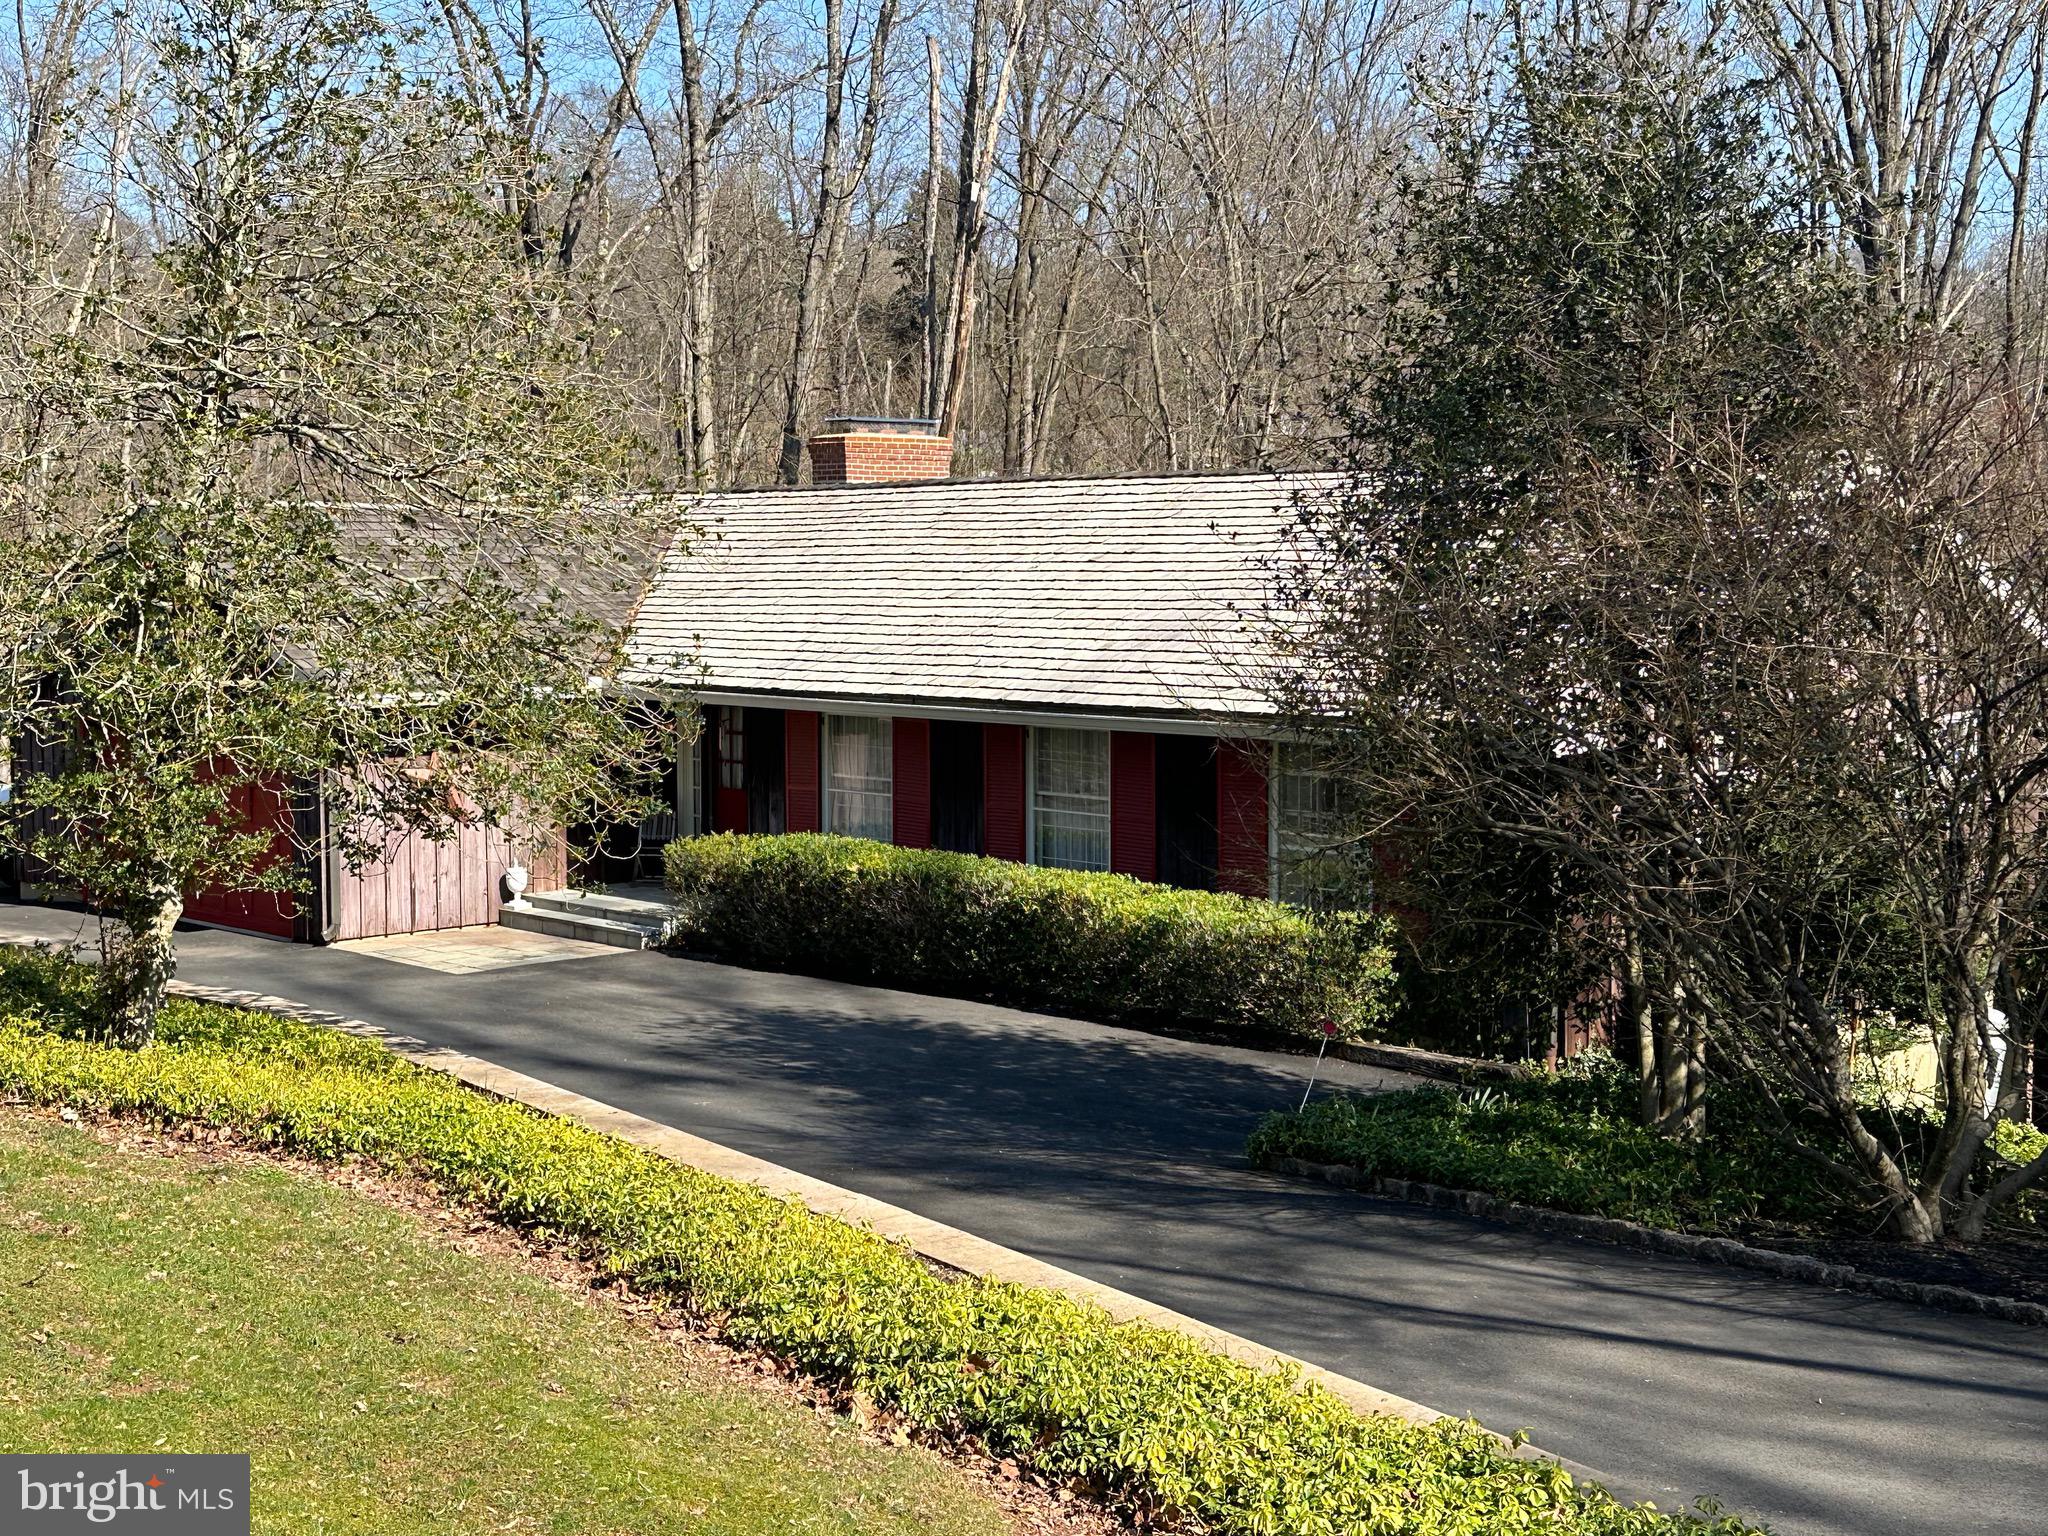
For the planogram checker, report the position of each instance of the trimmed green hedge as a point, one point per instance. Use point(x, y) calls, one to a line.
point(1100, 946)
point(1136, 1411)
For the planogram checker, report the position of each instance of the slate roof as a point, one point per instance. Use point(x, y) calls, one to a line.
point(1122, 596)
point(380, 543)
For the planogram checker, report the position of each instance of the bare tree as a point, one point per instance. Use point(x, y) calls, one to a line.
point(1908, 115)
point(1672, 574)
point(1784, 720)
point(840, 171)
point(197, 600)
point(707, 107)
point(981, 121)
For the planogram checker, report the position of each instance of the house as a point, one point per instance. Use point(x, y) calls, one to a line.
point(415, 882)
point(1058, 671)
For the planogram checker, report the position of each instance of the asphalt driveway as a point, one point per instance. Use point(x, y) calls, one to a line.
point(1119, 1155)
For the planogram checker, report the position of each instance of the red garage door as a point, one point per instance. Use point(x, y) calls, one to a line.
point(258, 807)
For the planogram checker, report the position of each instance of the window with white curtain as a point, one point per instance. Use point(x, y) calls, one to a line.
point(732, 747)
point(1070, 798)
point(1310, 827)
point(859, 782)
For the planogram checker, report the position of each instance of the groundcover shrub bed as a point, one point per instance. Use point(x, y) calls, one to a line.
point(1569, 1141)
point(1133, 1411)
point(1103, 946)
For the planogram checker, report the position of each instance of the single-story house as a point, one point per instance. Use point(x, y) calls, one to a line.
point(1059, 671)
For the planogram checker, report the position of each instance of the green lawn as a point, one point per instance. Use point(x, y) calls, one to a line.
point(383, 1380)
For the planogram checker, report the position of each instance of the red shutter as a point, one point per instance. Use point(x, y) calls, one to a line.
point(1133, 809)
point(1002, 779)
point(800, 770)
point(910, 752)
point(1241, 818)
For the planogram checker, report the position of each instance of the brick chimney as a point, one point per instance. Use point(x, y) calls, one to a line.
point(861, 450)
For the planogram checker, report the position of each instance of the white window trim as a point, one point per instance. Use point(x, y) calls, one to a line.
point(689, 769)
point(825, 790)
point(1031, 791)
point(1273, 821)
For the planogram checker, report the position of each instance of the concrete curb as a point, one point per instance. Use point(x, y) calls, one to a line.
point(949, 1246)
point(1435, 1065)
point(1684, 1245)
point(945, 1245)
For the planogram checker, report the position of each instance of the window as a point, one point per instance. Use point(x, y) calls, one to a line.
point(732, 747)
point(1309, 824)
point(1070, 799)
point(858, 780)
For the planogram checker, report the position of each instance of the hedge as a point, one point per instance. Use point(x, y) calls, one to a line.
point(1141, 1414)
point(1099, 946)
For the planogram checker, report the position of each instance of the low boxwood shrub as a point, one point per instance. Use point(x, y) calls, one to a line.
point(1568, 1141)
point(1101, 946)
point(1140, 1413)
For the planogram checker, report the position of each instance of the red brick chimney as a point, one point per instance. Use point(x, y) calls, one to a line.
point(862, 450)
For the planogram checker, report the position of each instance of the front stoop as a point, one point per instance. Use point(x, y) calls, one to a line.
point(624, 922)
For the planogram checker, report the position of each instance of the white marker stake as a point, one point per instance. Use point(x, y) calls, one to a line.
point(1329, 1034)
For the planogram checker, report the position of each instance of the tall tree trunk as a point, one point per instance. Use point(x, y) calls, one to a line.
point(931, 347)
point(977, 159)
point(1672, 1057)
point(1641, 1010)
point(700, 463)
point(828, 218)
point(138, 958)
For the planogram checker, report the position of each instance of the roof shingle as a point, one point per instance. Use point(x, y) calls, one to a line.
point(1117, 596)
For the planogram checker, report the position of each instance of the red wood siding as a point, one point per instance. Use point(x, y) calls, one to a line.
point(1133, 809)
point(801, 802)
point(910, 749)
point(255, 808)
point(1241, 865)
point(1003, 791)
point(417, 884)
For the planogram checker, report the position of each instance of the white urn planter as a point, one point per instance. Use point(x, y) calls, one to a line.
point(516, 878)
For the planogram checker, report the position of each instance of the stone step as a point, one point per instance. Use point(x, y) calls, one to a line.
point(587, 926)
point(613, 905)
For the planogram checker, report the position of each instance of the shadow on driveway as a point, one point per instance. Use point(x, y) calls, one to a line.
point(1119, 1155)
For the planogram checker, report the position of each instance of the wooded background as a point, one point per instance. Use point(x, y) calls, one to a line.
point(1093, 237)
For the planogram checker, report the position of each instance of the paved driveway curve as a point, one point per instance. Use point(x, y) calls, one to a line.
point(1119, 1155)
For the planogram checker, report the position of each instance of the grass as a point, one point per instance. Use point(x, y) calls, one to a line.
point(1149, 1418)
point(382, 1379)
